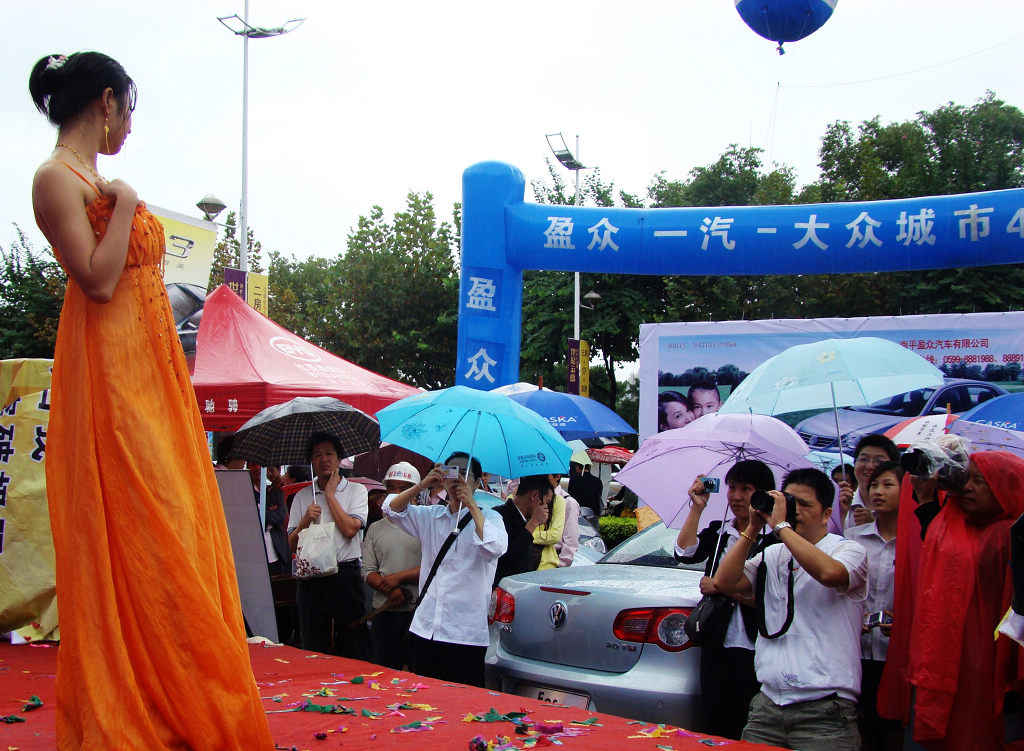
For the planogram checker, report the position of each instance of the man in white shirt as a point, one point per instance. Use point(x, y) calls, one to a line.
point(449, 631)
point(328, 604)
point(809, 669)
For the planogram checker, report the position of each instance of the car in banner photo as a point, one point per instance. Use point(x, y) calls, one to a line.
point(607, 637)
point(956, 394)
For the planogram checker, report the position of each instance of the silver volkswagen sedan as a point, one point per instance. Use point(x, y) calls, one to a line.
point(607, 637)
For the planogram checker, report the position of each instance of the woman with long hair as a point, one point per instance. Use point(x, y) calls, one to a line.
point(153, 651)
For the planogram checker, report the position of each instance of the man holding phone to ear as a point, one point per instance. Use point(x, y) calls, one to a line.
point(449, 633)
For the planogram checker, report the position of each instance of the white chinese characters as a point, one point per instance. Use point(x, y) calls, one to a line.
point(480, 366)
point(481, 294)
point(559, 233)
point(601, 235)
point(717, 227)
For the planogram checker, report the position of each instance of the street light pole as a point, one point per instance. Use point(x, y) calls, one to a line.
point(243, 204)
point(576, 274)
point(241, 27)
point(571, 162)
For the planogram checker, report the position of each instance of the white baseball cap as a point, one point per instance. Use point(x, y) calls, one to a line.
point(403, 472)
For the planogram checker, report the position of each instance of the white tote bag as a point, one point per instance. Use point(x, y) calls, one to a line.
point(315, 554)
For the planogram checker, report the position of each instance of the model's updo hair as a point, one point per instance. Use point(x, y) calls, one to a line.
point(62, 87)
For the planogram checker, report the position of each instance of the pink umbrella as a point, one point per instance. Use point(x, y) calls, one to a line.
point(920, 429)
point(664, 466)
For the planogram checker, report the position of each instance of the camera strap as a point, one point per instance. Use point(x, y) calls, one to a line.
point(762, 576)
point(445, 547)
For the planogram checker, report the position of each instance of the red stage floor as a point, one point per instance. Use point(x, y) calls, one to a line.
point(374, 708)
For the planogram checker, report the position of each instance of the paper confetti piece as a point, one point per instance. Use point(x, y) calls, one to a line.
point(590, 722)
point(357, 679)
point(279, 659)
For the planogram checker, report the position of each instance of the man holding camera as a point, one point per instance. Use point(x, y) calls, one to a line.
point(811, 589)
point(449, 633)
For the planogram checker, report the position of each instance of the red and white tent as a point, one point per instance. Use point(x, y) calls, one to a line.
point(246, 362)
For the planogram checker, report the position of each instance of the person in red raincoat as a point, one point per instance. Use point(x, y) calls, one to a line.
point(960, 674)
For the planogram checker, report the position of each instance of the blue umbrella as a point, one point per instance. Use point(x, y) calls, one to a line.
point(1006, 412)
point(573, 416)
point(831, 373)
point(507, 438)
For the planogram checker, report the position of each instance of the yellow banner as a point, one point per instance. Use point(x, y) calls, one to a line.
point(584, 367)
point(28, 592)
point(257, 292)
point(189, 249)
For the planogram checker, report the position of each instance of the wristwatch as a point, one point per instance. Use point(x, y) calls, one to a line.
point(781, 525)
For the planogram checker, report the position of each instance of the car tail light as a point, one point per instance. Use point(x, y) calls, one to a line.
point(661, 626)
point(503, 607)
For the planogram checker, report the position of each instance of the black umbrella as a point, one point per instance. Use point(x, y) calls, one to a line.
point(280, 434)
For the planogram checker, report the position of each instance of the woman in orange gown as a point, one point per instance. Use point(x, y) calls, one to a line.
point(153, 651)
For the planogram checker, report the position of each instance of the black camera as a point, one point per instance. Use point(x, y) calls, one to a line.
point(762, 501)
point(948, 471)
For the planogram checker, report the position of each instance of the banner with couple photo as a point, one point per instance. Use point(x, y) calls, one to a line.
point(691, 359)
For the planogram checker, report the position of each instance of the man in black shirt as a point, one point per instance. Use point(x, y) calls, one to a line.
point(585, 488)
point(522, 514)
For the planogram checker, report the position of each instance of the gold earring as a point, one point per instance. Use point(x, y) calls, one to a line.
point(106, 134)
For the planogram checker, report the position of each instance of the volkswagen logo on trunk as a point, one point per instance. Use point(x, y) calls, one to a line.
point(557, 614)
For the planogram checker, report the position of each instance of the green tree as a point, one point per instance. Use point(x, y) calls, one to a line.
point(397, 290)
point(954, 149)
point(226, 252)
point(31, 296)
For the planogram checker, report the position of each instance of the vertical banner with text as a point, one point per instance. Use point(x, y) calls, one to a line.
point(584, 368)
point(573, 367)
point(256, 293)
point(235, 280)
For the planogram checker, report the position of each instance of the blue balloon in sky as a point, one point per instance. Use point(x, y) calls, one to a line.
point(785, 20)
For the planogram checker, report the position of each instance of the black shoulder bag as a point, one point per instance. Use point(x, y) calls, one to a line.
point(708, 622)
point(762, 576)
point(445, 547)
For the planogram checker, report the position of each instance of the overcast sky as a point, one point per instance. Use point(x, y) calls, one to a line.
point(367, 101)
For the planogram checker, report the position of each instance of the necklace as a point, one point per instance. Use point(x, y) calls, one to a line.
point(97, 175)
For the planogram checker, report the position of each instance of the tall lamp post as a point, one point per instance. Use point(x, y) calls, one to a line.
point(558, 146)
point(241, 27)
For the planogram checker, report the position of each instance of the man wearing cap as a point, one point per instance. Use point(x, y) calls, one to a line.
point(391, 567)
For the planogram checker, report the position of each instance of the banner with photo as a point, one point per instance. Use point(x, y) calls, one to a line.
point(696, 365)
point(190, 243)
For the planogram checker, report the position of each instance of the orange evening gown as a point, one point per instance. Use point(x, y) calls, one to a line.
point(153, 651)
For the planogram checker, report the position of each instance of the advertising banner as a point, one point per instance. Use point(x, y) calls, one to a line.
point(189, 247)
point(257, 292)
point(573, 367)
point(584, 368)
point(235, 281)
point(696, 360)
point(28, 589)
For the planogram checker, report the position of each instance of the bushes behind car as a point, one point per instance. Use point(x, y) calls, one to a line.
point(615, 529)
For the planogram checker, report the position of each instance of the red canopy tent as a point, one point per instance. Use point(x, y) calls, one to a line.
point(246, 362)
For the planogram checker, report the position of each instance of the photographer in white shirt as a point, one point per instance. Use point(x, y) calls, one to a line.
point(810, 674)
point(449, 633)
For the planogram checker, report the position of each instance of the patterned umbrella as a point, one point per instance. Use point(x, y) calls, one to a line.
point(919, 429)
point(280, 434)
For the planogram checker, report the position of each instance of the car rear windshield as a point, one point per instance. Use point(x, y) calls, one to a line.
point(653, 547)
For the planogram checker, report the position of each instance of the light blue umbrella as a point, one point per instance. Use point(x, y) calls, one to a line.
point(507, 438)
point(831, 373)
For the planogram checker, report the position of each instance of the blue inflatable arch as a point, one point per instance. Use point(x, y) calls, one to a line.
point(502, 235)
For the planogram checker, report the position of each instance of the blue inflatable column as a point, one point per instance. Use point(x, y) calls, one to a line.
point(490, 290)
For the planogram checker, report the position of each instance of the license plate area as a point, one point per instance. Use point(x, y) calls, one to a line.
point(552, 696)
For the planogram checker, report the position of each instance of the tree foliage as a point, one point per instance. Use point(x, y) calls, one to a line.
point(389, 303)
point(226, 252)
point(31, 295)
